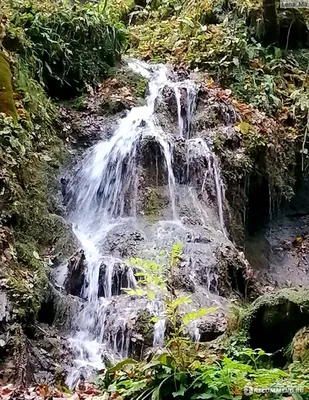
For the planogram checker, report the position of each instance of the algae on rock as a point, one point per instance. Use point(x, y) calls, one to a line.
point(7, 104)
point(272, 320)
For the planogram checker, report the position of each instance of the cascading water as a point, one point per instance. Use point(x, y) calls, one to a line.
point(105, 191)
point(198, 148)
point(184, 124)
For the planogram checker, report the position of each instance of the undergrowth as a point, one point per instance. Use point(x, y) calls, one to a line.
point(50, 50)
point(186, 370)
point(225, 38)
point(66, 47)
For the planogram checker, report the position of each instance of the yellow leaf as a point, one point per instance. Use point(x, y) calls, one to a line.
point(151, 294)
point(244, 127)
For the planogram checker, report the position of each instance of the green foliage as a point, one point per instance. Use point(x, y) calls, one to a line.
point(153, 283)
point(224, 38)
point(176, 254)
point(70, 46)
point(228, 378)
point(117, 12)
point(7, 105)
point(183, 369)
point(53, 48)
point(26, 301)
point(34, 99)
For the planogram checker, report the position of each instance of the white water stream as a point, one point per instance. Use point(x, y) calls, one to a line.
point(106, 188)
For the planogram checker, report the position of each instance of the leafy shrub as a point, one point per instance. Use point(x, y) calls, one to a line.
point(186, 370)
point(71, 46)
point(161, 378)
point(224, 38)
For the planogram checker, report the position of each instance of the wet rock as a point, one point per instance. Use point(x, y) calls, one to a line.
point(58, 309)
point(152, 163)
point(81, 129)
point(213, 110)
point(48, 356)
point(123, 242)
point(65, 243)
point(212, 326)
point(235, 273)
point(121, 331)
point(278, 250)
point(152, 203)
point(5, 308)
point(144, 326)
point(76, 273)
point(113, 277)
point(166, 108)
point(181, 280)
point(5, 325)
point(114, 106)
point(181, 73)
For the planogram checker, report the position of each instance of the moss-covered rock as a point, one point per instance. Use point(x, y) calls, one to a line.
point(7, 105)
point(128, 78)
point(153, 203)
point(144, 326)
point(300, 346)
point(58, 309)
point(142, 337)
point(272, 320)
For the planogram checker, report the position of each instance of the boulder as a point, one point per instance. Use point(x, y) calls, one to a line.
point(64, 242)
point(123, 241)
point(58, 309)
point(273, 320)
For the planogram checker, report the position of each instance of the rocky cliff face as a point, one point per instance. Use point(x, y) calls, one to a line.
point(211, 269)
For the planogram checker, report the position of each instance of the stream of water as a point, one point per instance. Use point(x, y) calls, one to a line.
point(106, 196)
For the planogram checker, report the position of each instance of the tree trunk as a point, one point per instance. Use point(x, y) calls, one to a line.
point(270, 22)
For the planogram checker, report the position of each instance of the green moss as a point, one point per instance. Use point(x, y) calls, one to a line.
point(7, 105)
point(132, 80)
point(273, 320)
point(80, 103)
point(36, 231)
point(26, 290)
point(297, 296)
point(300, 346)
point(153, 204)
point(27, 254)
point(144, 326)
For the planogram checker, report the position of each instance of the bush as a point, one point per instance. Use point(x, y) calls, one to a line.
point(227, 378)
point(70, 46)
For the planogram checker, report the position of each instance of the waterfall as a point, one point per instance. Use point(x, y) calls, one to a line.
point(197, 148)
point(105, 188)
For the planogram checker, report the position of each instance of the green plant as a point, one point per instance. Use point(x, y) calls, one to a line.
point(224, 379)
point(153, 282)
point(34, 98)
point(70, 46)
